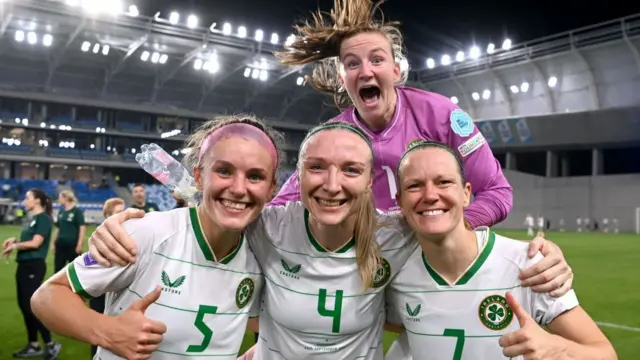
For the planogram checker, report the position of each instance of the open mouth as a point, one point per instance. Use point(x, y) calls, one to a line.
point(234, 206)
point(330, 203)
point(369, 94)
point(432, 212)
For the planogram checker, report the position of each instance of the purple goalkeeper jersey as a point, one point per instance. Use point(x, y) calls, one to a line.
point(422, 115)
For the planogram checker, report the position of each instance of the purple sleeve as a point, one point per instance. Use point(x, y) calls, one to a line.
point(290, 191)
point(493, 196)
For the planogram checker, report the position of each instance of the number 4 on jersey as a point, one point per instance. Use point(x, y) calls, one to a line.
point(336, 313)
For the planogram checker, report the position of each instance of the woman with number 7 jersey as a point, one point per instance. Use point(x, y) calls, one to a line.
point(196, 282)
point(458, 296)
point(326, 260)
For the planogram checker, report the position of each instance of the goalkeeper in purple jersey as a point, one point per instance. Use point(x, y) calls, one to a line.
point(361, 68)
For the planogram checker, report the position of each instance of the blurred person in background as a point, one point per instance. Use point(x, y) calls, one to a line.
point(32, 248)
point(140, 199)
point(180, 202)
point(111, 206)
point(68, 238)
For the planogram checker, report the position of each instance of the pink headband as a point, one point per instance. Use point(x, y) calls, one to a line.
point(243, 131)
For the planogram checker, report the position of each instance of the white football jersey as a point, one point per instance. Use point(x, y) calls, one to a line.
point(205, 303)
point(314, 303)
point(465, 320)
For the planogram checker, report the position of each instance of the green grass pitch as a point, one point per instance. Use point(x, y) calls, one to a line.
point(606, 284)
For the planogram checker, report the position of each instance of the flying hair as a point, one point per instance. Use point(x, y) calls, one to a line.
point(319, 40)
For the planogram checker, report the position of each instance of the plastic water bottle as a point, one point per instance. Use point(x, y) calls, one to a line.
point(166, 169)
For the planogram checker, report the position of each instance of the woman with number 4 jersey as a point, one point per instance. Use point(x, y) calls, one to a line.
point(325, 261)
point(459, 296)
point(195, 275)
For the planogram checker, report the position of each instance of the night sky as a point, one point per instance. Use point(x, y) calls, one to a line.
point(430, 28)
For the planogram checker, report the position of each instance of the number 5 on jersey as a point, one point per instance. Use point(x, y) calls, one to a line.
point(204, 329)
point(336, 313)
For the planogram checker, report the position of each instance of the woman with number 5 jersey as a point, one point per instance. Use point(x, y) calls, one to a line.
point(195, 275)
point(326, 260)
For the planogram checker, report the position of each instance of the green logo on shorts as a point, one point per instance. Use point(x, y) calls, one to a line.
point(382, 274)
point(244, 292)
point(495, 313)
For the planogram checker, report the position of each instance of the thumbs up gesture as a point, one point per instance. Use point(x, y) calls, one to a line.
point(132, 335)
point(530, 341)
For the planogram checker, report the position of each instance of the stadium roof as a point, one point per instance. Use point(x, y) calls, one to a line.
point(121, 52)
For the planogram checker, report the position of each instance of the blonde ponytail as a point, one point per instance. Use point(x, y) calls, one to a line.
point(368, 256)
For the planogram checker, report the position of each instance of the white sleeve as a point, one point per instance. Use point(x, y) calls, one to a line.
point(544, 308)
point(90, 279)
point(391, 305)
point(257, 302)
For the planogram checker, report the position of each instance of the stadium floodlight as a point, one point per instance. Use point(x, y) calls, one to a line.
point(47, 40)
point(486, 94)
point(514, 89)
point(133, 11)
point(32, 38)
point(259, 35)
point(524, 87)
point(212, 66)
point(454, 99)
point(264, 75)
point(92, 6)
point(445, 60)
point(475, 96)
point(85, 46)
point(96, 48)
point(491, 48)
point(431, 63)
point(242, 32)
point(553, 81)
point(247, 72)
point(43, 125)
point(474, 53)
point(145, 55)
point(299, 81)
point(155, 57)
point(192, 21)
point(92, 146)
point(19, 36)
point(163, 59)
point(174, 17)
point(197, 65)
point(226, 29)
point(113, 7)
point(460, 56)
point(506, 44)
point(105, 50)
point(255, 73)
point(274, 38)
point(290, 39)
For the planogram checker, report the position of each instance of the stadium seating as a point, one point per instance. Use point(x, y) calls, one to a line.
point(15, 149)
point(86, 195)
